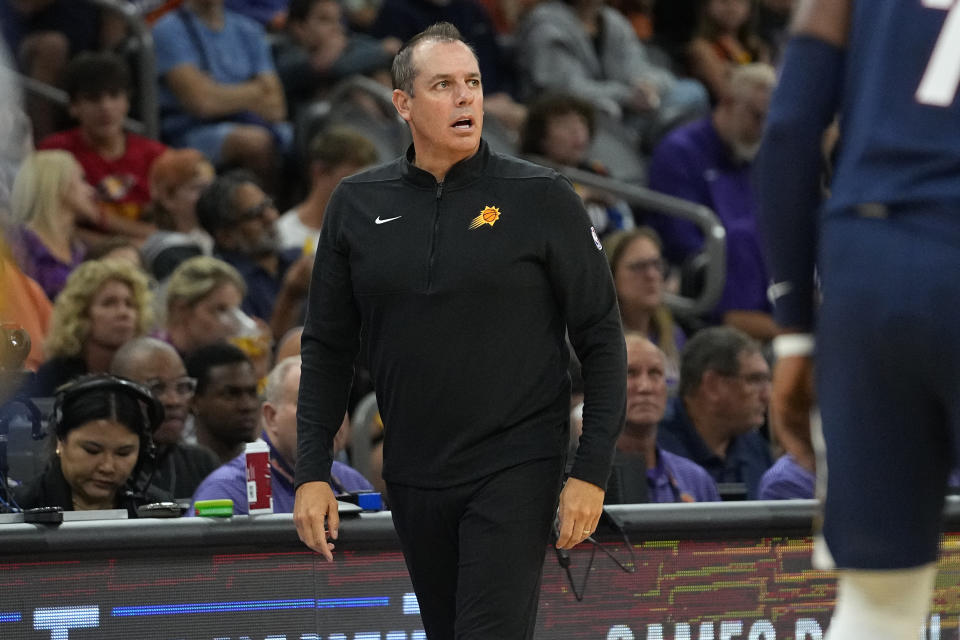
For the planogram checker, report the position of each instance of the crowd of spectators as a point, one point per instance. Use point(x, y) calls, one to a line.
point(168, 261)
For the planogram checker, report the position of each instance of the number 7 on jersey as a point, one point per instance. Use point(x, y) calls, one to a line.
point(938, 87)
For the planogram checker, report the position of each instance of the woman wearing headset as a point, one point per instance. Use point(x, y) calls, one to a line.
point(103, 426)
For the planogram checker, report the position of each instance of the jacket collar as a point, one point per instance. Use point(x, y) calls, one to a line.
point(461, 174)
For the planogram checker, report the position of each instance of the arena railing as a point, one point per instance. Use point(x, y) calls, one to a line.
point(715, 236)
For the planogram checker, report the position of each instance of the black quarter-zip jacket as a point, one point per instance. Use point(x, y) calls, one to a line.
point(461, 293)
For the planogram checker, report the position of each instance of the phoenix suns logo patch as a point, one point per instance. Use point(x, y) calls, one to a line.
point(489, 216)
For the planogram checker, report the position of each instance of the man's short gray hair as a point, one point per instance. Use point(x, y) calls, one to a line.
point(273, 391)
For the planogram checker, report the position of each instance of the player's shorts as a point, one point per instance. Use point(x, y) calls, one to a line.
point(888, 382)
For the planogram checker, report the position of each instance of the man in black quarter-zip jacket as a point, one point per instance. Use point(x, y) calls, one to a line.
point(462, 270)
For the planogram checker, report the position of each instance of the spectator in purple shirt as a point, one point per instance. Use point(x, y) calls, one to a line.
point(709, 162)
point(278, 415)
point(786, 480)
point(669, 477)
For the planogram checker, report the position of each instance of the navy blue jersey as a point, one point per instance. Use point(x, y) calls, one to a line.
point(900, 114)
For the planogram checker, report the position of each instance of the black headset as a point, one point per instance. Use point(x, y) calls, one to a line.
point(151, 410)
point(150, 407)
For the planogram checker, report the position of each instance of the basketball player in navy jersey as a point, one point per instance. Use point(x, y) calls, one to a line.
point(886, 246)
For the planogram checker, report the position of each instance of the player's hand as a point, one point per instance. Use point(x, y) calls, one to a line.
point(581, 504)
point(314, 503)
point(791, 399)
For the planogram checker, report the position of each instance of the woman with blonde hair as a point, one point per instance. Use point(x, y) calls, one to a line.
point(638, 267)
point(203, 297)
point(104, 304)
point(49, 196)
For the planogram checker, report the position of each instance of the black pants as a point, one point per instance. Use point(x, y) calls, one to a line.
point(475, 551)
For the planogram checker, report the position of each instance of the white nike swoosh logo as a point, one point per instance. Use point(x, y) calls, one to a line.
point(379, 221)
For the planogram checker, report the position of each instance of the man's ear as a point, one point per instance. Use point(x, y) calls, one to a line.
point(268, 413)
point(72, 110)
point(401, 100)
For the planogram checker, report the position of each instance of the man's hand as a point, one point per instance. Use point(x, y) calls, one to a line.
point(790, 403)
point(581, 504)
point(271, 105)
point(313, 503)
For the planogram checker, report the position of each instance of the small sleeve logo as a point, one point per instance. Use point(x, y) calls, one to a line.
point(596, 239)
point(489, 216)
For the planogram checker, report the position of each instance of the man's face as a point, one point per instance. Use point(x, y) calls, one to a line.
point(280, 420)
point(749, 113)
point(162, 372)
point(323, 22)
point(646, 383)
point(229, 406)
point(101, 117)
point(445, 110)
point(747, 393)
point(253, 232)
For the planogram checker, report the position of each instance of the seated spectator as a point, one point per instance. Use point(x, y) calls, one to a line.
point(43, 35)
point(177, 179)
point(114, 161)
point(668, 477)
point(105, 304)
point(724, 40)
point(319, 50)
point(334, 155)
point(203, 298)
point(709, 162)
point(590, 50)
point(225, 405)
point(179, 467)
point(723, 397)
point(219, 92)
point(560, 128)
point(103, 442)
point(49, 196)
point(787, 479)
point(242, 219)
point(279, 421)
point(638, 275)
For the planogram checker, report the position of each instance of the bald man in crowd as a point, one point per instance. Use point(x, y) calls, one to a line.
point(180, 467)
